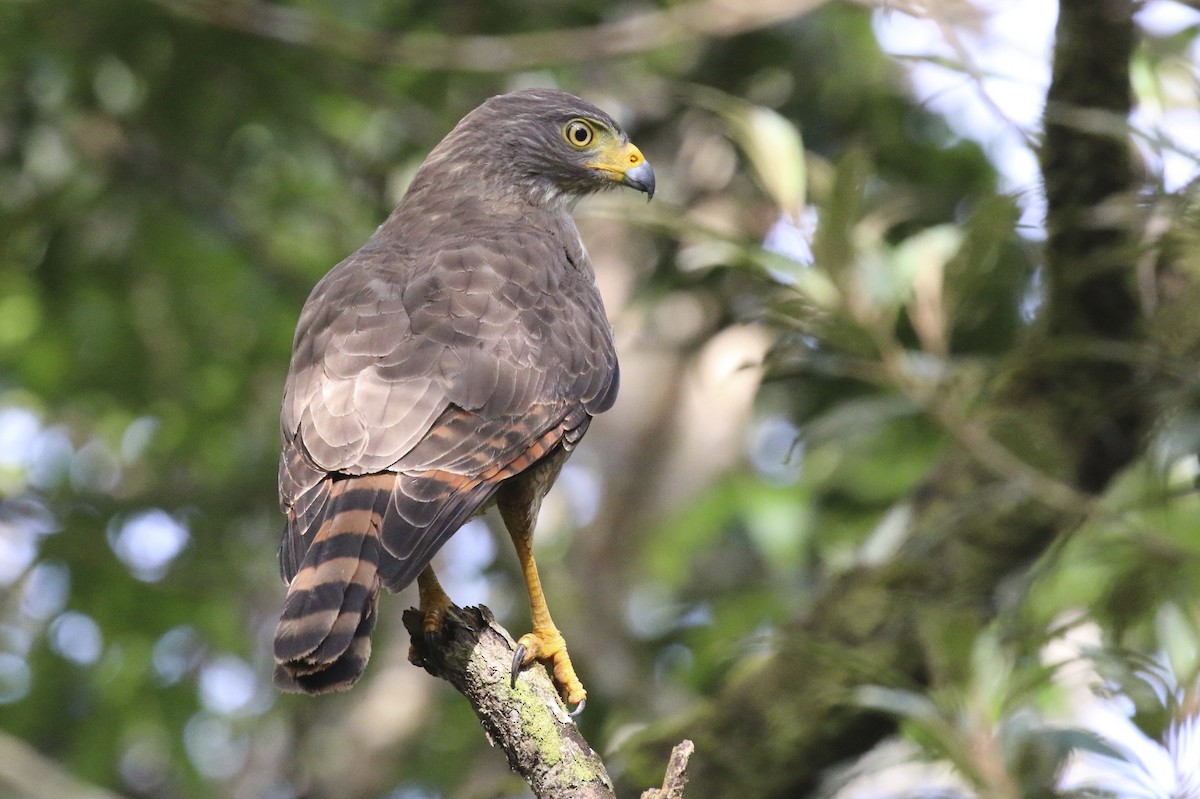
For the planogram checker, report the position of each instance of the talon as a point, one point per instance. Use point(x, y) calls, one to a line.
point(578, 708)
point(518, 662)
point(547, 645)
point(430, 638)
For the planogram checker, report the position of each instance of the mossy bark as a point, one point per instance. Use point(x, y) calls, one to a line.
point(527, 720)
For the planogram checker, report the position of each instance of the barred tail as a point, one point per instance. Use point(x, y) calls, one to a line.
point(324, 635)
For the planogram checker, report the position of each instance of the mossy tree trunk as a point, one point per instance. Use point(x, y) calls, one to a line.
point(1062, 414)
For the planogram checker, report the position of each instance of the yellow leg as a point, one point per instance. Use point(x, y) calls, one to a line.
point(434, 603)
point(545, 643)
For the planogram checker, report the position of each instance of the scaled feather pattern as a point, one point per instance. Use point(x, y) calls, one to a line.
point(461, 350)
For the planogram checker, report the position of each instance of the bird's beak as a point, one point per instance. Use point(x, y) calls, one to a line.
point(627, 166)
point(640, 177)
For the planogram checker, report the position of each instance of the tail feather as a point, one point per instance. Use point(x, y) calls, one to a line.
point(338, 675)
point(426, 509)
point(323, 639)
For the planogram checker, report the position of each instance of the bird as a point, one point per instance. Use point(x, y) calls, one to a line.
point(450, 364)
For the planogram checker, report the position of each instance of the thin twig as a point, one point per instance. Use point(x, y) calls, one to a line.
point(676, 777)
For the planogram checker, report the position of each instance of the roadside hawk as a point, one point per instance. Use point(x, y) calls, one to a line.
point(451, 363)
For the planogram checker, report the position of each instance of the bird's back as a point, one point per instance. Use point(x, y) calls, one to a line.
point(464, 345)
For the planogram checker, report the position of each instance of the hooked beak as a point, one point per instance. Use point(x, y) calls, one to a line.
point(626, 165)
point(640, 177)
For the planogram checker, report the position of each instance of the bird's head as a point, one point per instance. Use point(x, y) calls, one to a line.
point(548, 146)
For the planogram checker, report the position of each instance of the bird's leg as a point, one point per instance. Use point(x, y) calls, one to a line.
point(433, 605)
point(545, 643)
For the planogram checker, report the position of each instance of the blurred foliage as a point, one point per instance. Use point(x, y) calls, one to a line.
point(172, 186)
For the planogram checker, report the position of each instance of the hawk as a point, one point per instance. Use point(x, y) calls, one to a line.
point(450, 364)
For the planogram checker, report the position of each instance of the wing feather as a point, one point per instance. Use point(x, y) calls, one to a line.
point(453, 370)
point(464, 344)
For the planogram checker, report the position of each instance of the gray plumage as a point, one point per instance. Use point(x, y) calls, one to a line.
point(462, 346)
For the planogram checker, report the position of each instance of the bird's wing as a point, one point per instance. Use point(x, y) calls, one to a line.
point(454, 371)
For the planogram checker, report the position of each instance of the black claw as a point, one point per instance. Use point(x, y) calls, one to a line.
point(433, 636)
point(579, 708)
point(518, 658)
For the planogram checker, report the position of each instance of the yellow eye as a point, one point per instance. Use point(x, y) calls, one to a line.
point(579, 134)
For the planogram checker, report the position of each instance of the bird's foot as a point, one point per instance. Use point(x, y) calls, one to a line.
point(435, 617)
point(548, 646)
point(435, 605)
point(432, 620)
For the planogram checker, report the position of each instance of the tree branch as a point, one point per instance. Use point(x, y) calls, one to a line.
point(632, 34)
point(527, 720)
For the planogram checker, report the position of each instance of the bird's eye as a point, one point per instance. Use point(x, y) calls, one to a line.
point(578, 133)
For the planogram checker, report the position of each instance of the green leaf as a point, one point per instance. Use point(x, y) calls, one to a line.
point(772, 145)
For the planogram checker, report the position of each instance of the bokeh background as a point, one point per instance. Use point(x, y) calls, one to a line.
point(845, 249)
